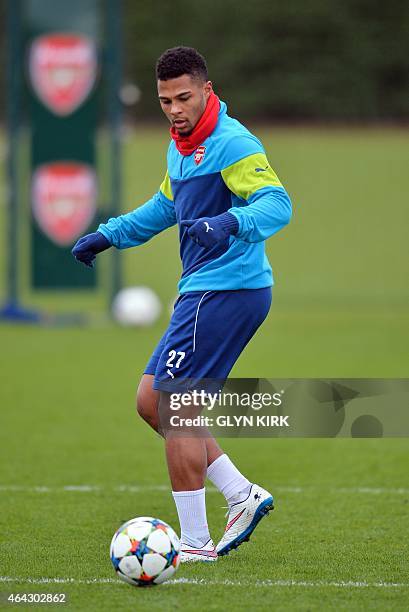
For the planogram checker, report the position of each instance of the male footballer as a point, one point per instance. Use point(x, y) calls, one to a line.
point(226, 200)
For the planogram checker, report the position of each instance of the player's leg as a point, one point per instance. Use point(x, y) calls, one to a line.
point(185, 449)
point(189, 496)
point(191, 338)
point(147, 403)
point(221, 324)
point(221, 471)
point(186, 457)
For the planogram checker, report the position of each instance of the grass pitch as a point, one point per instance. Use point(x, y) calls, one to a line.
point(75, 461)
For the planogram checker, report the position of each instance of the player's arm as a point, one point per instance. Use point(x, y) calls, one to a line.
point(141, 224)
point(262, 205)
point(131, 229)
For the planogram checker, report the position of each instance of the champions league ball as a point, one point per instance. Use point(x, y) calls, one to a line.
point(139, 306)
point(145, 551)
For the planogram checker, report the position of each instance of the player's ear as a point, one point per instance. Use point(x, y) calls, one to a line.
point(208, 88)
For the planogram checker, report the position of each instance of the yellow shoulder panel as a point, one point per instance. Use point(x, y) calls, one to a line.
point(166, 187)
point(250, 174)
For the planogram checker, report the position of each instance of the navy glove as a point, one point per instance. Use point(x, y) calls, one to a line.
point(209, 231)
point(87, 248)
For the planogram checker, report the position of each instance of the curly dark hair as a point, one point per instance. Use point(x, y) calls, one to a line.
point(181, 60)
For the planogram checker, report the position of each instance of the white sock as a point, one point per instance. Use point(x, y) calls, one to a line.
point(227, 478)
point(191, 507)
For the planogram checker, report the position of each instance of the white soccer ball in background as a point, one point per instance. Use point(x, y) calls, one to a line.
point(145, 551)
point(139, 306)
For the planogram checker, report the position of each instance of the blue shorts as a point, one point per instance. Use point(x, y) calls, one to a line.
point(206, 334)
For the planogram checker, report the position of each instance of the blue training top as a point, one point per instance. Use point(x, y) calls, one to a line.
point(228, 172)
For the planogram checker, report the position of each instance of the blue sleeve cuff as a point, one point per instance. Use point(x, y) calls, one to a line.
point(102, 229)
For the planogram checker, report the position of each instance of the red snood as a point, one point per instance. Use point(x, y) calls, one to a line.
point(204, 127)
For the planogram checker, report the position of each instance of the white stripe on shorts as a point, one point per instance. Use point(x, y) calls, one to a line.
point(197, 314)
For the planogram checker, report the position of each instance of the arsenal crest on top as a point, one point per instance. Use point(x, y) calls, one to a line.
point(63, 70)
point(199, 154)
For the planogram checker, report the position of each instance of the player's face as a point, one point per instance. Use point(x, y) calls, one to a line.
point(183, 100)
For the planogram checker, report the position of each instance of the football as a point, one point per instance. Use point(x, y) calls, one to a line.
point(136, 306)
point(145, 551)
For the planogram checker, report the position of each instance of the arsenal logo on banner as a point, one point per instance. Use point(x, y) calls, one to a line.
point(199, 154)
point(64, 200)
point(63, 70)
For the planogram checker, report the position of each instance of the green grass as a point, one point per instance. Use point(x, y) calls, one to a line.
point(340, 310)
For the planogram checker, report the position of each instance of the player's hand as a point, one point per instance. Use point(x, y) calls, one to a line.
point(209, 231)
point(86, 248)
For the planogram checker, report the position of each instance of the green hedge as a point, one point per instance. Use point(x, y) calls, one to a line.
point(346, 59)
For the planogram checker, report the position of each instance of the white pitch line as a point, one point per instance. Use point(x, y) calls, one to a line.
point(139, 488)
point(204, 582)
point(373, 490)
point(87, 489)
point(9, 579)
point(166, 488)
point(289, 583)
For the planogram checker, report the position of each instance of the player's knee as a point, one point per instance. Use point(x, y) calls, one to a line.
point(142, 404)
point(146, 403)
